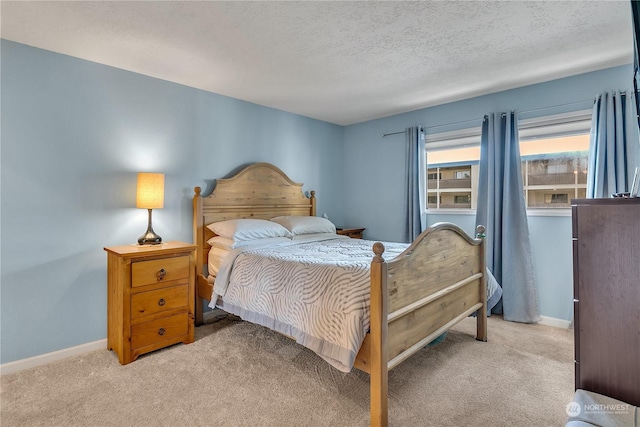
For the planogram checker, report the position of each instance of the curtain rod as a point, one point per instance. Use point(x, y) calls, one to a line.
point(556, 106)
point(432, 127)
point(392, 133)
point(482, 118)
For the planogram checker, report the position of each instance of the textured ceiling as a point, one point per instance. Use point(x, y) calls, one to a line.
point(342, 62)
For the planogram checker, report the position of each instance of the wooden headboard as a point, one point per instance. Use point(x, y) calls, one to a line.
point(260, 190)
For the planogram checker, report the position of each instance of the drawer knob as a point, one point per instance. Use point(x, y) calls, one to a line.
point(161, 331)
point(161, 274)
point(161, 302)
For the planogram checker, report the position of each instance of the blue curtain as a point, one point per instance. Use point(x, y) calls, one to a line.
point(415, 191)
point(501, 208)
point(614, 151)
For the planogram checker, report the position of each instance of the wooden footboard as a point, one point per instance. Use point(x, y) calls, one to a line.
point(438, 281)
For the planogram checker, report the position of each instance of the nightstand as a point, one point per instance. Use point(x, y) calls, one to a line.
point(150, 297)
point(354, 233)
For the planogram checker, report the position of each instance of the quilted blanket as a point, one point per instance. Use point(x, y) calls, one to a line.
point(314, 291)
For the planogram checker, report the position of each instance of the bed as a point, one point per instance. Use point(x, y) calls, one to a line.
point(405, 302)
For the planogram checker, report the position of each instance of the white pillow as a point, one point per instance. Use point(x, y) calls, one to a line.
point(305, 224)
point(248, 229)
point(229, 244)
point(216, 256)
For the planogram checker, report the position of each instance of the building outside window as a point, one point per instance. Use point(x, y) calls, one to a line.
point(554, 153)
point(554, 170)
point(452, 163)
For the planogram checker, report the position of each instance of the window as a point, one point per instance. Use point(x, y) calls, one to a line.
point(554, 152)
point(564, 171)
point(452, 163)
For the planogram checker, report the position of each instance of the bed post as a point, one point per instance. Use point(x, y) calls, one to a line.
point(198, 237)
point(481, 334)
point(379, 374)
point(313, 203)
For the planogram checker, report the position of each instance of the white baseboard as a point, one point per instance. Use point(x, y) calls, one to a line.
point(552, 321)
point(43, 359)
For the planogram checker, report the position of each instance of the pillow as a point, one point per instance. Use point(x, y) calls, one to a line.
point(305, 224)
point(216, 256)
point(248, 229)
point(222, 243)
point(229, 244)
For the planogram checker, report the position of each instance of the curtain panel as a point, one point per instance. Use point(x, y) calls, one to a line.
point(415, 185)
point(614, 149)
point(502, 209)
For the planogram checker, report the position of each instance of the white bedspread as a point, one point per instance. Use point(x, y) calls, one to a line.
point(316, 291)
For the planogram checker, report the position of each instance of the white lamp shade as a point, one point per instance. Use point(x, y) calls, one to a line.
point(150, 192)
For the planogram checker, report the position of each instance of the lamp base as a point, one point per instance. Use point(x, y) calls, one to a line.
point(150, 237)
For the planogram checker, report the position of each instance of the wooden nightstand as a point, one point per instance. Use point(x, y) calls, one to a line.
point(150, 297)
point(354, 233)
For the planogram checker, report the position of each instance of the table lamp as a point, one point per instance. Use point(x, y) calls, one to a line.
point(150, 195)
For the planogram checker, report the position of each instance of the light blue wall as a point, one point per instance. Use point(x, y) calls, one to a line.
point(74, 135)
point(372, 183)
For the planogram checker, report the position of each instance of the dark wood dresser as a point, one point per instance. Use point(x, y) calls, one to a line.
point(606, 288)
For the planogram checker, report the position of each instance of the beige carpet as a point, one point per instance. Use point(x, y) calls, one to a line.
point(239, 374)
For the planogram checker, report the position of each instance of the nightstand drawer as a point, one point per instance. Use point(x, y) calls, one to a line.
point(159, 270)
point(145, 303)
point(159, 330)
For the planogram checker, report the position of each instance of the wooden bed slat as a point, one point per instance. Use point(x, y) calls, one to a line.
point(432, 336)
point(437, 258)
point(426, 300)
point(410, 329)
